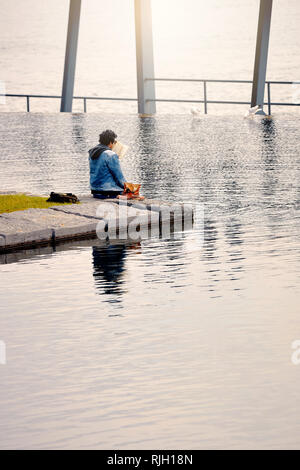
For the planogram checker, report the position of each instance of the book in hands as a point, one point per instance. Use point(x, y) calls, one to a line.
point(120, 149)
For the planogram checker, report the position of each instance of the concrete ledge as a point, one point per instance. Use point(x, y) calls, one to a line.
point(91, 218)
point(165, 209)
point(2, 241)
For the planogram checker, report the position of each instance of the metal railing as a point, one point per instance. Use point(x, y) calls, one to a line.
point(83, 98)
point(205, 101)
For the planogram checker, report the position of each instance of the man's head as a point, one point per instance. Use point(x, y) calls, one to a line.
point(107, 138)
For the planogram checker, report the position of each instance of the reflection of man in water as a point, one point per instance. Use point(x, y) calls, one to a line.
point(109, 265)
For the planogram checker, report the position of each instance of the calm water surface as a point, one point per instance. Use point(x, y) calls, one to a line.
point(163, 343)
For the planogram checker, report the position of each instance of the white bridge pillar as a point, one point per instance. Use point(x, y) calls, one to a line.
point(144, 57)
point(70, 57)
point(261, 55)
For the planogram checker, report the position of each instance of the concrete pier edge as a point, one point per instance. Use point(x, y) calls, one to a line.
point(39, 227)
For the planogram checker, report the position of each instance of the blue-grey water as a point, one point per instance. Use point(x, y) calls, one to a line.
point(166, 343)
point(163, 343)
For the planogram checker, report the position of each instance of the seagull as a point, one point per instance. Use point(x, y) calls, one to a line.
point(196, 111)
point(251, 112)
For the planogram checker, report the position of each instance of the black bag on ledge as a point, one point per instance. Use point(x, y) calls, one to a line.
point(63, 197)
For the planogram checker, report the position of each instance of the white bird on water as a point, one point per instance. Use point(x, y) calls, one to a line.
point(196, 111)
point(251, 112)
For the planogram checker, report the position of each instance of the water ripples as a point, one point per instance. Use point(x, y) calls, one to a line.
point(179, 341)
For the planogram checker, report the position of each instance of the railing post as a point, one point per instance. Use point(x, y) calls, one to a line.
point(205, 96)
point(269, 98)
point(261, 54)
point(84, 105)
point(70, 57)
point(144, 57)
point(28, 104)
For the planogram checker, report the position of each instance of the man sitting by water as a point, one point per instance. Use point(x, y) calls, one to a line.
point(106, 176)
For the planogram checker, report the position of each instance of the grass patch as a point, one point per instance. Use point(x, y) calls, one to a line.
point(21, 202)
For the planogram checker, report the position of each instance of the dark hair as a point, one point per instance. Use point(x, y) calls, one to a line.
point(107, 137)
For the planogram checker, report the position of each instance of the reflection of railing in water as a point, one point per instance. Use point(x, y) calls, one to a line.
point(205, 100)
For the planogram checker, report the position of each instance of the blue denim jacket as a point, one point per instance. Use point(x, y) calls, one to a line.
point(105, 170)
